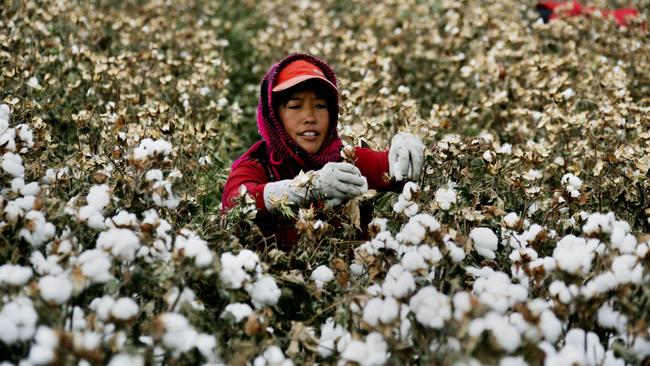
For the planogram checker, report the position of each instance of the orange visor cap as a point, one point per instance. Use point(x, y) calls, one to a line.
point(298, 71)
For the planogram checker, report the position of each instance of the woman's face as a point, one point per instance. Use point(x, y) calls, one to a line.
point(306, 119)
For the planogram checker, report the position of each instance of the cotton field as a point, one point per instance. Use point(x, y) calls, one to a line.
point(526, 240)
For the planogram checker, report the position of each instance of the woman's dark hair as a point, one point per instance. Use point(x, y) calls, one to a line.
point(320, 88)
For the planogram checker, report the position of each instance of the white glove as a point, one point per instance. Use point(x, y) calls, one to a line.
point(335, 182)
point(339, 181)
point(405, 157)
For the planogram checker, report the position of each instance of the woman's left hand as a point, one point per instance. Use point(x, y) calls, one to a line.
point(405, 156)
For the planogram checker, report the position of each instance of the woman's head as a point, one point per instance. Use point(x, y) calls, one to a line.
point(286, 125)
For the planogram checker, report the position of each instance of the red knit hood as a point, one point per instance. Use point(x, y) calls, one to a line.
point(280, 147)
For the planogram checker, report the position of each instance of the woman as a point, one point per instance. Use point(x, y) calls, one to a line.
point(297, 117)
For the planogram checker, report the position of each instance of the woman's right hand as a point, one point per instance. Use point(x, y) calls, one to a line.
point(337, 182)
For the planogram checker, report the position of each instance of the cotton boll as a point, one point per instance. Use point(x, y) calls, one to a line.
point(432, 255)
point(77, 321)
point(95, 265)
point(611, 360)
point(41, 355)
point(330, 334)
point(597, 223)
point(249, 260)
point(190, 245)
point(18, 319)
point(627, 269)
point(123, 219)
point(149, 148)
point(356, 269)
point(602, 283)
point(410, 188)
point(44, 266)
point(124, 308)
point(497, 291)
point(176, 300)
point(125, 359)
point(179, 334)
point(405, 206)
point(232, 274)
point(207, 346)
point(272, 356)
point(456, 253)
point(37, 230)
point(510, 220)
point(355, 351)
point(381, 311)
point(559, 289)
point(413, 261)
point(102, 306)
point(411, 233)
point(55, 289)
point(99, 196)
point(265, 292)
point(462, 304)
point(550, 326)
point(122, 243)
point(431, 307)
point(445, 197)
point(376, 349)
point(31, 189)
point(14, 275)
point(5, 113)
point(17, 184)
point(399, 282)
point(506, 335)
point(523, 255)
point(379, 223)
point(568, 356)
point(93, 218)
point(513, 361)
point(571, 184)
point(163, 196)
point(485, 242)
point(13, 164)
point(383, 240)
point(592, 349)
point(573, 255)
point(415, 231)
point(238, 310)
point(641, 347)
point(612, 319)
point(321, 275)
point(9, 332)
point(154, 175)
point(45, 336)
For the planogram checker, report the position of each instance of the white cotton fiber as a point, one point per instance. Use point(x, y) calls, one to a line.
point(485, 241)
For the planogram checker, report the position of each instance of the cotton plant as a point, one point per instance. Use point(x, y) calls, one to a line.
point(445, 197)
point(405, 201)
point(18, 319)
point(322, 275)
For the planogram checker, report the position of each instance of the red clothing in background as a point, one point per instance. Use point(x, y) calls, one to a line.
point(574, 8)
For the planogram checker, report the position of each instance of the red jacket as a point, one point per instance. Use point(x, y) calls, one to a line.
point(255, 173)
